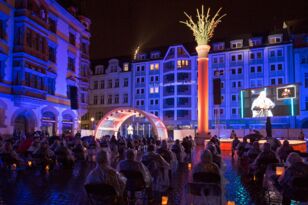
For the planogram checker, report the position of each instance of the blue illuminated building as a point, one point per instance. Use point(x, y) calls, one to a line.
point(44, 65)
point(164, 80)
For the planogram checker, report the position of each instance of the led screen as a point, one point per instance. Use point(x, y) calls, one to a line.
point(270, 101)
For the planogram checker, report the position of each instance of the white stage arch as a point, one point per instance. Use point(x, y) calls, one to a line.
point(112, 121)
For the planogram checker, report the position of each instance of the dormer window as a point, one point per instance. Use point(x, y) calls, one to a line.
point(236, 44)
point(219, 46)
point(141, 56)
point(255, 42)
point(155, 55)
point(272, 39)
point(125, 67)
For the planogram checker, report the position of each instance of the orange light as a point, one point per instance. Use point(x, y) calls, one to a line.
point(164, 200)
point(47, 168)
point(29, 163)
point(279, 171)
point(254, 177)
point(230, 203)
point(189, 166)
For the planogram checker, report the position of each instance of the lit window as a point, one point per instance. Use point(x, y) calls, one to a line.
point(156, 90)
point(152, 67)
point(152, 90)
point(125, 67)
point(156, 66)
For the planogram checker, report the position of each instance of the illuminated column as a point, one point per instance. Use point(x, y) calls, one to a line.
point(203, 90)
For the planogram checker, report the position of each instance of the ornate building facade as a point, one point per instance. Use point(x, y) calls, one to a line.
point(44, 65)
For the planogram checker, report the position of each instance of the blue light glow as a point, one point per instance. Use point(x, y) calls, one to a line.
point(242, 105)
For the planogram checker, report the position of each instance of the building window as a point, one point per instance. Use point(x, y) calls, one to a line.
point(272, 54)
point(125, 84)
point(234, 111)
point(2, 30)
point(102, 99)
point(273, 67)
point(233, 97)
point(116, 99)
point(280, 81)
point(72, 39)
point(252, 56)
point(279, 53)
point(306, 80)
point(259, 55)
point(233, 58)
point(240, 57)
point(109, 100)
point(239, 71)
point(116, 83)
point(52, 25)
point(102, 84)
point(259, 69)
point(51, 86)
point(51, 54)
point(95, 86)
point(95, 100)
point(273, 81)
point(233, 71)
point(182, 63)
point(252, 69)
point(279, 66)
point(110, 83)
point(125, 67)
point(215, 60)
point(125, 98)
point(71, 64)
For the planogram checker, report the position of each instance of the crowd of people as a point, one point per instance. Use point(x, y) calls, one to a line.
point(258, 160)
point(120, 160)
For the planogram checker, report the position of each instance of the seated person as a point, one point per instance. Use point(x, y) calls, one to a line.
point(104, 174)
point(8, 155)
point(178, 150)
point(157, 166)
point(296, 169)
point(35, 145)
point(130, 164)
point(215, 156)
point(44, 154)
point(164, 151)
point(266, 157)
point(64, 155)
point(79, 150)
point(254, 151)
point(241, 148)
point(206, 164)
point(284, 151)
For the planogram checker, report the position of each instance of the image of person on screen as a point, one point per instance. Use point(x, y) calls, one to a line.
point(262, 106)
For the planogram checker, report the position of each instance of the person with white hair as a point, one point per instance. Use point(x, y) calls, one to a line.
point(262, 106)
point(104, 174)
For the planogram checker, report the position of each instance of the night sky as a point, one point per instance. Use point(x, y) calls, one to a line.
point(118, 26)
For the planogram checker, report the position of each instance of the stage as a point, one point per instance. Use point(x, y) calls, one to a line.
point(298, 145)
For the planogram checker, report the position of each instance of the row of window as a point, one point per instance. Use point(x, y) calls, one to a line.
point(252, 56)
point(111, 99)
point(153, 89)
point(110, 84)
point(234, 111)
point(253, 69)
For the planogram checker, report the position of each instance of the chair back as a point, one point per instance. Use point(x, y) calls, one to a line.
point(206, 177)
point(101, 193)
point(204, 189)
point(135, 181)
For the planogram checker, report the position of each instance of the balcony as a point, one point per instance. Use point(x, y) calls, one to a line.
point(31, 51)
point(35, 16)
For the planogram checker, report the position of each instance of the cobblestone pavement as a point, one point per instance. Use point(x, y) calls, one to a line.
point(33, 187)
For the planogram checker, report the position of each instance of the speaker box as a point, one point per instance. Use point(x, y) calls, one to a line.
point(217, 91)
